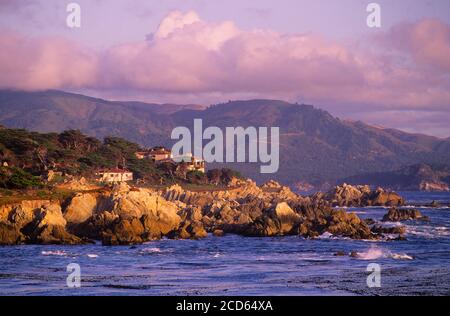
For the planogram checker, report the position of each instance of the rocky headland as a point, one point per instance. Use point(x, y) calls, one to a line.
point(124, 215)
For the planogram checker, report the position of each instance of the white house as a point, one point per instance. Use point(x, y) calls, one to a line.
point(114, 175)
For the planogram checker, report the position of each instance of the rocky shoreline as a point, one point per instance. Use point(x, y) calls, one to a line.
point(124, 215)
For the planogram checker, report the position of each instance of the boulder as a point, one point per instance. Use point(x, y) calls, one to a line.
point(344, 224)
point(218, 233)
point(379, 229)
point(361, 196)
point(96, 226)
point(54, 234)
point(385, 198)
point(10, 234)
point(21, 217)
point(81, 208)
point(51, 215)
point(190, 230)
point(49, 227)
point(276, 220)
point(286, 216)
point(124, 232)
point(347, 195)
point(131, 203)
point(397, 215)
point(159, 224)
point(434, 204)
point(196, 230)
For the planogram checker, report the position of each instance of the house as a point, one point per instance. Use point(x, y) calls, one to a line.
point(156, 154)
point(141, 155)
point(193, 163)
point(114, 175)
point(162, 155)
point(197, 165)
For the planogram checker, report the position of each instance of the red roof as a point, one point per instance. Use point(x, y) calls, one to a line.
point(160, 152)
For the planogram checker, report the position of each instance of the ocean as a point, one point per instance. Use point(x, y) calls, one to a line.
point(234, 265)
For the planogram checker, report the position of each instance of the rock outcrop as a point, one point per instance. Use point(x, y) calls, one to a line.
point(124, 215)
point(397, 215)
point(361, 196)
point(81, 208)
point(10, 234)
point(392, 230)
point(40, 222)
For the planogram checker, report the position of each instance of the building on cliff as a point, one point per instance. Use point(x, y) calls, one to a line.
point(191, 162)
point(163, 155)
point(156, 154)
point(114, 175)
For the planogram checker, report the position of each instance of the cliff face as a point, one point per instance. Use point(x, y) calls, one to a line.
point(126, 215)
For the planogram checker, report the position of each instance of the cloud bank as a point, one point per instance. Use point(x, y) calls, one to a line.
point(407, 67)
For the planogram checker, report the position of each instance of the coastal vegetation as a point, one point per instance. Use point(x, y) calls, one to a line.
point(27, 157)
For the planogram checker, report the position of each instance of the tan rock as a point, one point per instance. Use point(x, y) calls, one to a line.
point(51, 215)
point(55, 234)
point(350, 225)
point(218, 233)
point(396, 215)
point(287, 217)
point(10, 234)
point(81, 208)
point(21, 216)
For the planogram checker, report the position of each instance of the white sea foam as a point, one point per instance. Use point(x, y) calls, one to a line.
point(401, 256)
point(390, 224)
point(328, 235)
point(91, 255)
point(151, 250)
point(371, 254)
point(427, 231)
point(325, 235)
point(378, 253)
point(54, 253)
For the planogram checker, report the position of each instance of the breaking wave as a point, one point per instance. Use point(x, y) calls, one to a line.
point(425, 231)
point(377, 253)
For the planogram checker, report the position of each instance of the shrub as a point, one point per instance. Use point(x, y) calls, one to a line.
point(21, 179)
point(196, 177)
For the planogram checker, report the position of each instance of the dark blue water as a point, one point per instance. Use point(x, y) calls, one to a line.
point(234, 265)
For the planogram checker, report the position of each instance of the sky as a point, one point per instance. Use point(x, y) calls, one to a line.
point(319, 52)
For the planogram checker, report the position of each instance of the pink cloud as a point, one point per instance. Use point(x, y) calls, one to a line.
point(427, 42)
point(188, 56)
point(37, 64)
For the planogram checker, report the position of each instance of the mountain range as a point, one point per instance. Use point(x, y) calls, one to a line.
point(315, 147)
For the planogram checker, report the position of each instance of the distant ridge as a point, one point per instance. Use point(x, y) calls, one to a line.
point(420, 177)
point(316, 148)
